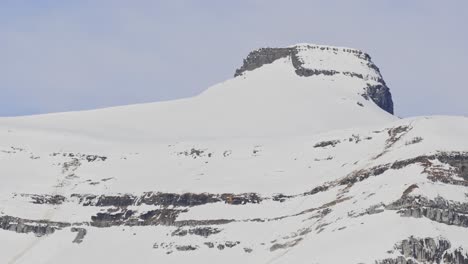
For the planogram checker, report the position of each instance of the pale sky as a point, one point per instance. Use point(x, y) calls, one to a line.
point(59, 55)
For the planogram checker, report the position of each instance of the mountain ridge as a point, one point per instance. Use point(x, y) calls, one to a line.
point(273, 100)
point(267, 167)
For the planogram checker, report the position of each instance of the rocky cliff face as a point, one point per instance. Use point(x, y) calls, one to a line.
point(376, 90)
point(426, 250)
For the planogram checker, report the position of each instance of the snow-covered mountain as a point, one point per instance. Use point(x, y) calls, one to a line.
point(297, 159)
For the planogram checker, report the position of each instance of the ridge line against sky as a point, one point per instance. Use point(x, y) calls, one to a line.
point(76, 55)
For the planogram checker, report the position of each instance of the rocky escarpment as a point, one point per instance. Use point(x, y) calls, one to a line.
point(426, 250)
point(439, 209)
point(132, 218)
point(37, 227)
point(122, 209)
point(379, 93)
point(166, 199)
point(454, 174)
point(381, 96)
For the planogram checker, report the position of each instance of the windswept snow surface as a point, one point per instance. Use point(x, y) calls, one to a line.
point(268, 167)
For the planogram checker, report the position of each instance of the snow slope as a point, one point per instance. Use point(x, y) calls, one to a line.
point(271, 101)
point(268, 167)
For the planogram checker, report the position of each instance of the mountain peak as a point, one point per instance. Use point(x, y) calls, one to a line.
point(278, 92)
point(315, 60)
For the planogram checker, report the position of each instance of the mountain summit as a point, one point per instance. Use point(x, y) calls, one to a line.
point(297, 159)
point(318, 60)
point(292, 91)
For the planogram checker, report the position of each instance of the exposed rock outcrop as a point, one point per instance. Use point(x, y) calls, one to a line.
point(455, 174)
point(323, 144)
point(46, 199)
point(81, 233)
point(166, 199)
point(381, 96)
point(426, 250)
point(198, 231)
point(379, 93)
point(439, 209)
point(37, 227)
point(260, 57)
point(130, 218)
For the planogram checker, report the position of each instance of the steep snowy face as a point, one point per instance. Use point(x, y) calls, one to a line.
point(315, 60)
